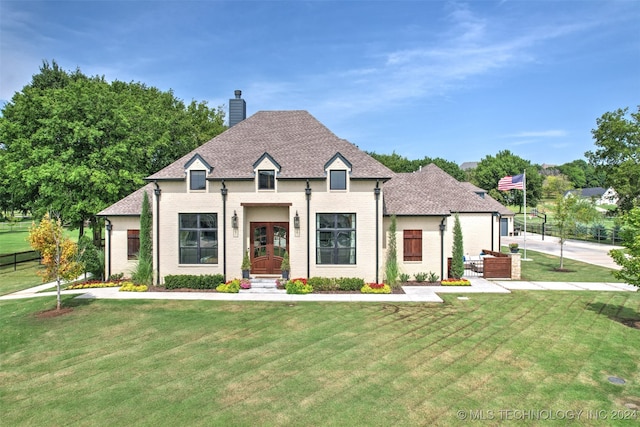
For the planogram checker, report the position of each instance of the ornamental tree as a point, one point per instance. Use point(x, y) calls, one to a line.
point(59, 253)
point(391, 268)
point(568, 213)
point(629, 260)
point(457, 261)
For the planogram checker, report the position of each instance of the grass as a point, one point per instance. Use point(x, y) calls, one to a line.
point(24, 277)
point(244, 364)
point(15, 240)
point(541, 268)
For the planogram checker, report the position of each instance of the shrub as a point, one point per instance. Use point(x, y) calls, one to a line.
point(349, 283)
point(204, 281)
point(432, 277)
point(131, 287)
point(404, 277)
point(455, 282)
point(391, 266)
point(420, 277)
point(323, 283)
point(232, 286)
point(115, 277)
point(298, 286)
point(143, 272)
point(376, 288)
point(599, 232)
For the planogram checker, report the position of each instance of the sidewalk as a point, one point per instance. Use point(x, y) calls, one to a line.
point(412, 293)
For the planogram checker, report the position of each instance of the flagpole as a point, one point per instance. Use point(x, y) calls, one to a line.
point(524, 189)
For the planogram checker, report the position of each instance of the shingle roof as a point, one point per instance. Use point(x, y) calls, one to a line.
point(492, 203)
point(588, 192)
point(432, 191)
point(295, 139)
point(130, 205)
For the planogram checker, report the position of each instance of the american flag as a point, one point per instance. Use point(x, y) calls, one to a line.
point(511, 183)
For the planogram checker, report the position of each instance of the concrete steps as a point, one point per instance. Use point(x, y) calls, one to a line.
point(263, 286)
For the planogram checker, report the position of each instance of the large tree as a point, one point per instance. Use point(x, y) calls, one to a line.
point(582, 174)
point(617, 153)
point(491, 169)
point(76, 144)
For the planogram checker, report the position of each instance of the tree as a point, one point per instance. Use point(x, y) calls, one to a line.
point(555, 185)
point(91, 257)
point(629, 261)
point(143, 273)
point(457, 255)
point(77, 144)
point(617, 139)
point(398, 163)
point(59, 253)
point(391, 266)
point(568, 213)
point(491, 169)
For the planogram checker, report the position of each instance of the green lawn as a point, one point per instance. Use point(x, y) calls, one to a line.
point(246, 364)
point(15, 240)
point(25, 276)
point(541, 268)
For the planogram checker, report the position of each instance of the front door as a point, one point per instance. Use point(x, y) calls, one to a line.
point(269, 241)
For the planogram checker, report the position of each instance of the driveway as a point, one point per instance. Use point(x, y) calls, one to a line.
point(592, 253)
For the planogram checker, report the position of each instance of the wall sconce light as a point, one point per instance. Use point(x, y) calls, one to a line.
point(234, 221)
point(296, 221)
point(442, 227)
point(109, 227)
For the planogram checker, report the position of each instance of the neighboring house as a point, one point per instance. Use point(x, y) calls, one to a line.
point(599, 195)
point(468, 166)
point(281, 181)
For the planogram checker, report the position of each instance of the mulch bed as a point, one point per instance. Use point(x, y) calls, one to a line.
point(47, 314)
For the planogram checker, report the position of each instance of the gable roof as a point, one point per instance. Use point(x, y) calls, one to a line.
point(588, 192)
point(295, 139)
point(130, 205)
point(432, 191)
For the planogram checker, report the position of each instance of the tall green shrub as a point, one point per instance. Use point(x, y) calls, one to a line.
point(457, 257)
point(391, 268)
point(143, 273)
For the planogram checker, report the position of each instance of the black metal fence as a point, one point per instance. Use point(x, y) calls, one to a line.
point(595, 233)
point(16, 258)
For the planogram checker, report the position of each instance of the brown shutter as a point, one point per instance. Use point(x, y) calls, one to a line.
point(413, 245)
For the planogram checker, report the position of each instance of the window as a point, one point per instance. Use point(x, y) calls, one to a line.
point(336, 239)
point(413, 245)
point(133, 244)
point(338, 180)
point(197, 181)
point(198, 238)
point(266, 179)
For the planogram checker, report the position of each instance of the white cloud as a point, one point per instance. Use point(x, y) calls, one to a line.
point(553, 133)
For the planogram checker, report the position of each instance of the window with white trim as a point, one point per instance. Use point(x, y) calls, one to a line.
point(338, 179)
point(197, 180)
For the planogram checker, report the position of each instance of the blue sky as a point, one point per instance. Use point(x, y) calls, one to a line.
point(450, 79)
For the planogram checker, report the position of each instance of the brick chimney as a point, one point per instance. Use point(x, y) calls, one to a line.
point(237, 109)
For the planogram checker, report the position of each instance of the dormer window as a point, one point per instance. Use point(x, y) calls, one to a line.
point(338, 169)
point(266, 179)
point(197, 180)
point(338, 179)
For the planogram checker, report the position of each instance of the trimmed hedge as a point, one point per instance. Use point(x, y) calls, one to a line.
point(191, 281)
point(332, 284)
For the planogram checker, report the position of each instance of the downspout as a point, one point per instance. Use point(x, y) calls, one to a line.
point(224, 191)
point(109, 227)
point(442, 247)
point(376, 192)
point(157, 192)
point(307, 193)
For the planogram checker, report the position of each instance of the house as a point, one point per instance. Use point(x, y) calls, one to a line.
point(281, 181)
point(599, 195)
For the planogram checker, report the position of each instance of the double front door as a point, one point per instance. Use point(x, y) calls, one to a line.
point(269, 241)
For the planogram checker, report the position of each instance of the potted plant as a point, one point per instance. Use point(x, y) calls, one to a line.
point(513, 248)
point(285, 267)
point(246, 265)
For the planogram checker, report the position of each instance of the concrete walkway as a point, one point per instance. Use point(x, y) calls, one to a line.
point(412, 293)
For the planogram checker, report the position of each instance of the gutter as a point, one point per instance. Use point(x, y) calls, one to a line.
point(224, 191)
